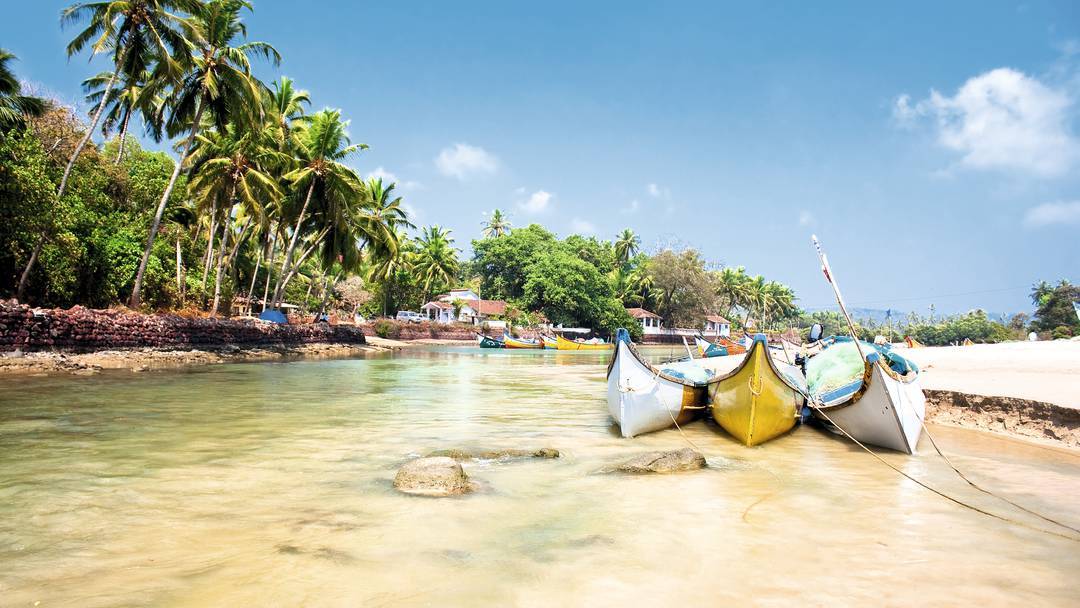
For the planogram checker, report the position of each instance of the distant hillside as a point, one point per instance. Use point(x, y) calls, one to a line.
point(880, 316)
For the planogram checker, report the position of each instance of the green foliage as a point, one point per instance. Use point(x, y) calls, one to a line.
point(384, 328)
point(686, 291)
point(1054, 307)
point(974, 326)
point(503, 263)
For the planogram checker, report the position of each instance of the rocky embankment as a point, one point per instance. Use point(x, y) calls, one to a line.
point(1009, 415)
point(82, 340)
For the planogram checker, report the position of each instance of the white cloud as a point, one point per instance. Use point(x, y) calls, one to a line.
point(1001, 119)
point(463, 161)
point(1048, 214)
point(537, 202)
point(580, 226)
point(807, 219)
point(413, 213)
point(656, 191)
point(632, 207)
point(390, 178)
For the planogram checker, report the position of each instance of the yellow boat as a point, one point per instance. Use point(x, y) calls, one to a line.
point(512, 342)
point(564, 344)
point(760, 399)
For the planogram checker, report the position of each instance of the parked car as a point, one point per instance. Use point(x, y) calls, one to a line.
point(409, 316)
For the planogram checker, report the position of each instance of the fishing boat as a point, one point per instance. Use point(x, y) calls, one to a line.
point(721, 348)
point(760, 399)
point(488, 342)
point(865, 391)
point(549, 342)
point(562, 343)
point(643, 398)
point(512, 342)
point(880, 404)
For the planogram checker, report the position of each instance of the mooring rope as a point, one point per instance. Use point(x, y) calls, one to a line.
point(942, 494)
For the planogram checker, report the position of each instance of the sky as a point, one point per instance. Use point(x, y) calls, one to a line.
point(933, 147)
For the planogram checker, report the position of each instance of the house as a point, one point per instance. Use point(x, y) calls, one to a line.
point(715, 325)
point(462, 305)
point(650, 321)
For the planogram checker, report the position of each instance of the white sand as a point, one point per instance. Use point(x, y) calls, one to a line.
point(1042, 371)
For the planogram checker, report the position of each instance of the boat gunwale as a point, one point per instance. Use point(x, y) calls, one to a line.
point(867, 378)
point(652, 368)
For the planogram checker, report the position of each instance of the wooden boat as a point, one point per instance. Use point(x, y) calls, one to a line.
point(760, 399)
point(488, 342)
point(643, 398)
point(549, 342)
point(563, 344)
point(884, 407)
point(512, 342)
point(721, 348)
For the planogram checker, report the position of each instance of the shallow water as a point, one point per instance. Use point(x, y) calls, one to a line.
point(270, 484)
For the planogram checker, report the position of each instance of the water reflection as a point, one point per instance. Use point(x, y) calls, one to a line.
point(269, 483)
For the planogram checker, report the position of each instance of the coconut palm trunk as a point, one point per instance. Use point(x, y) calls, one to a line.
point(269, 272)
point(179, 263)
point(285, 265)
point(224, 260)
point(123, 136)
point(210, 243)
point(137, 290)
point(326, 295)
point(254, 275)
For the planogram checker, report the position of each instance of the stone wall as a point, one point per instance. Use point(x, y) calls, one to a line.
point(425, 330)
point(78, 328)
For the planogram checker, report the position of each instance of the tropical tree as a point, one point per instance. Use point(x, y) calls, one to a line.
point(137, 95)
point(323, 144)
point(218, 82)
point(283, 106)
point(435, 262)
point(497, 225)
point(14, 106)
point(626, 245)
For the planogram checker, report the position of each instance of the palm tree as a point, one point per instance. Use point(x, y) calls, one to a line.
point(138, 95)
point(733, 288)
point(435, 261)
point(282, 106)
point(14, 106)
point(238, 175)
point(497, 226)
point(218, 82)
point(323, 145)
point(626, 245)
point(387, 262)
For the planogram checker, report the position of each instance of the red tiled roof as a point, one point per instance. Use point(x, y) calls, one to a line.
point(487, 307)
point(717, 319)
point(442, 305)
point(641, 313)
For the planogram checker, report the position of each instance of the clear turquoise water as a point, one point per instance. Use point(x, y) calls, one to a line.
point(270, 484)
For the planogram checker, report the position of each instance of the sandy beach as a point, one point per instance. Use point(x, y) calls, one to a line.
point(1039, 371)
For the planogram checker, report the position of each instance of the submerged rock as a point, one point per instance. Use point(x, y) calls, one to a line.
point(504, 454)
point(438, 476)
point(671, 461)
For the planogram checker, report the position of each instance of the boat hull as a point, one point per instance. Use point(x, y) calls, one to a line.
point(488, 342)
point(564, 344)
point(754, 403)
point(887, 411)
point(511, 342)
point(641, 400)
point(550, 343)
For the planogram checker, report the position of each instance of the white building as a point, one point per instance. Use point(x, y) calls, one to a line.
point(715, 325)
point(471, 309)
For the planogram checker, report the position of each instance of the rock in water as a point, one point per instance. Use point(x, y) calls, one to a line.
point(438, 476)
point(664, 462)
point(496, 454)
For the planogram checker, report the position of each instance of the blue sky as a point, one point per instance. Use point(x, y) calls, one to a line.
point(933, 147)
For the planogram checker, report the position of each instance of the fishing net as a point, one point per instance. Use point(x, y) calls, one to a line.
point(840, 365)
point(688, 370)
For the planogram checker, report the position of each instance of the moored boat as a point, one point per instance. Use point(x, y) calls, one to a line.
point(879, 403)
point(643, 398)
point(488, 342)
point(564, 344)
point(720, 348)
point(760, 399)
point(512, 342)
point(550, 343)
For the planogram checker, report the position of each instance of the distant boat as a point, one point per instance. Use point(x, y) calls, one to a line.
point(488, 342)
point(550, 343)
point(721, 348)
point(643, 398)
point(881, 404)
point(760, 399)
point(564, 344)
point(512, 342)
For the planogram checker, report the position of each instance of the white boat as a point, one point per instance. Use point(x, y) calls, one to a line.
point(884, 408)
point(643, 398)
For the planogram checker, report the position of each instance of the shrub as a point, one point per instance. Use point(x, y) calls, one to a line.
point(1062, 332)
point(387, 329)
